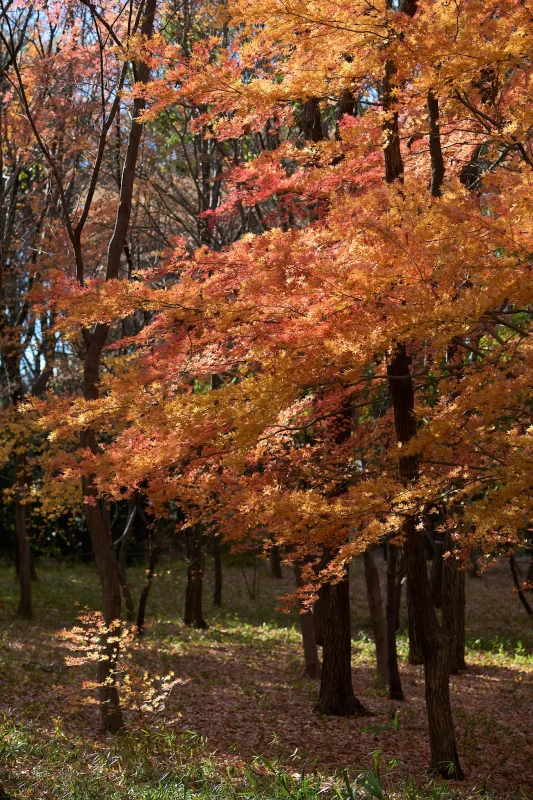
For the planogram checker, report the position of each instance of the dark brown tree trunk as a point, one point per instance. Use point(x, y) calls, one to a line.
point(123, 577)
point(336, 696)
point(122, 545)
point(312, 668)
point(400, 580)
point(275, 562)
point(311, 122)
point(433, 642)
point(453, 610)
point(23, 544)
point(436, 571)
point(217, 593)
point(475, 570)
point(95, 340)
point(393, 673)
point(318, 614)
point(435, 649)
point(193, 614)
point(415, 656)
point(152, 561)
point(444, 758)
point(518, 586)
point(106, 565)
point(377, 616)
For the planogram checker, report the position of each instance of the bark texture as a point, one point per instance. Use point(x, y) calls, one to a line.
point(436, 571)
point(393, 672)
point(143, 599)
point(377, 616)
point(318, 614)
point(275, 562)
point(217, 592)
point(434, 644)
point(95, 341)
point(312, 667)
point(415, 656)
point(336, 696)
point(193, 614)
point(453, 609)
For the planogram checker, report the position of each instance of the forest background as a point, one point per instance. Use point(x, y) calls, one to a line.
point(265, 277)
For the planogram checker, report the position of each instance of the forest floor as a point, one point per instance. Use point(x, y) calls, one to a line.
point(241, 723)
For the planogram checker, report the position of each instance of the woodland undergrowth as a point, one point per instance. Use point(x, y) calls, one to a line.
point(240, 722)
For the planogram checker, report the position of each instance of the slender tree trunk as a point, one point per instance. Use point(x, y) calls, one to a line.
point(530, 568)
point(106, 565)
point(95, 341)
point(152, 561)
point(122, 544)
point(436, 572)
point(312, 668)
point(393, 673)
point(25, 600)
point(400, 580)
point(123, 577)
point(518, 585)
point(275, 562)
point(375, 606)
point(435, 649)
point(434, 644)
point(336, 696)
point(318, 614)
point(216, 383)
point(475, 570)
point(217, 593)
point(453, 610)
point(193, 614)
point(415, 656)
point(126, 592)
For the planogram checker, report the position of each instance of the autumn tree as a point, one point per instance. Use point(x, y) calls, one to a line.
point(380, 254)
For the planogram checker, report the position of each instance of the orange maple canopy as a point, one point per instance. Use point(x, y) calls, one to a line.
point(299, 321)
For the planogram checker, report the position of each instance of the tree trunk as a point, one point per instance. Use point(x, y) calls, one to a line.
point(95, 341)
point(152, 561)
point(433, 643)
point(312, 668)
point(106, 565)
point(217, 593)
point(318, 614)
point(24, 572)
point(400, 580)
point(192, 614)
point(436, 572)
point(275, 562)
point(453, 611)
point(415, 656)
point(444, 758)
point(475, 570)
point(393, 673)
point(435, 649)
point(337, 697)
point(518, 586)
point(375, 606)
point(123, 577)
